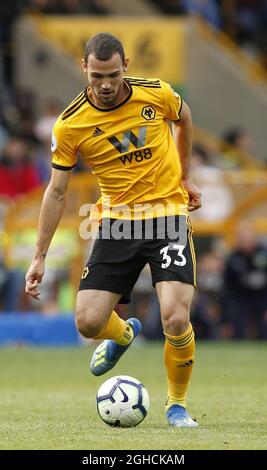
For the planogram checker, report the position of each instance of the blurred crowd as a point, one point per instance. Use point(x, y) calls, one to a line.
point(231, 301)
point(244, 21)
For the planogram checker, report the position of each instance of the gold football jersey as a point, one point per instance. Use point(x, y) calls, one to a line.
point(129, 147)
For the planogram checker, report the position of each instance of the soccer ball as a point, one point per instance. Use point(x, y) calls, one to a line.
point(122, 401)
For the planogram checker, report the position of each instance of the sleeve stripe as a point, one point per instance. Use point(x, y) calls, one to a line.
point(74, 102)
point(180, 109)
point(63, 168)
point(143, 80)
point(73, 108)
point(77, 97)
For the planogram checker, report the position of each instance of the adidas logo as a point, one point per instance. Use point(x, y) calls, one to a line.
point(97, 132)
point(186, 364)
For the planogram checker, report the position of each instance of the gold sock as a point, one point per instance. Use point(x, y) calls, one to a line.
point(117, 329)
point(179, 354)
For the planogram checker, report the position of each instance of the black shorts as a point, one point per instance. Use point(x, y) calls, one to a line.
point(123, 248)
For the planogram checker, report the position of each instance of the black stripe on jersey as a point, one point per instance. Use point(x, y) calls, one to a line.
point(73, 103)
point(181, 105)
point(145, 84)
point(73, 107)
point(61, 167)
point(142, 80)
point(179, 111)
point(76, 99)
point(71, 111)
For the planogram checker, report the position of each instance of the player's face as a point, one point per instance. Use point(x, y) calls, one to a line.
point(105, 78)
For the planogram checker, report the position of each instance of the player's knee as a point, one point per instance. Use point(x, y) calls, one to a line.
point(176, 324)
point(175, 315)
point(87, 324)
point(175, 318)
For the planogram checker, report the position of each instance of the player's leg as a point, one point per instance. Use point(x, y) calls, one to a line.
point(108, 277)
point(175, 300)
point(94, 310)
point(172, 262)
point(95, 318)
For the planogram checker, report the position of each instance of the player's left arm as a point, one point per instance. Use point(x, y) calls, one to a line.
point(183, 138)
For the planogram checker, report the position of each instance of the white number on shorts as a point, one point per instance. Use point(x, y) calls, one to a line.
point(182, 260)
point(167, 259)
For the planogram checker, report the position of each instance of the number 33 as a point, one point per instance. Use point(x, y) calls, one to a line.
point(167, 259)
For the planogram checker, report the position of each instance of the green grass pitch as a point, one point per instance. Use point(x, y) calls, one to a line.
point(48, 399)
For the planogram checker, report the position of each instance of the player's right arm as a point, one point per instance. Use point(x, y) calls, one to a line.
point(64, 158)
point(50, 214)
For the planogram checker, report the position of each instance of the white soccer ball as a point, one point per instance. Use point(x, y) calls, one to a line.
point(122, 401)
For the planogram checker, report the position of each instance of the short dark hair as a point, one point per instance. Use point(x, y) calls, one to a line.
point(103, 46)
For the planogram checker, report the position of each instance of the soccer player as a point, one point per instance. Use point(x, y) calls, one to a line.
point(121, 127)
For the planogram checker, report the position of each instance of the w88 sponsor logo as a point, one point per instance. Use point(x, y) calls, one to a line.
point(138, 156)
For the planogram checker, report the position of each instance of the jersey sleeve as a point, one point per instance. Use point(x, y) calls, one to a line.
point(64, 153)
point(172, 102)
